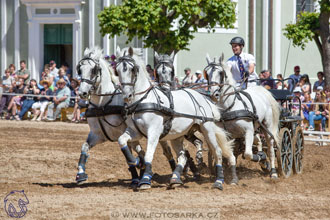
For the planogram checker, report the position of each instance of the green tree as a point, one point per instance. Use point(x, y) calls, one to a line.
point(166, 25)
point(313, 26)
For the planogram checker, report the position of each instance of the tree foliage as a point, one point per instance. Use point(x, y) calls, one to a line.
point(166, 25)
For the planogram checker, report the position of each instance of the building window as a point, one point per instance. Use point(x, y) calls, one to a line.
point(67, 11)
point(305, 5)
point(42, 11)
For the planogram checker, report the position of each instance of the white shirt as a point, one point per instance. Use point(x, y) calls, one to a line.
point(189, 79)
point(54, 72)
point(247, 59)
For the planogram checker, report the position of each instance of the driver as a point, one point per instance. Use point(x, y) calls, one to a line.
point(242, 64)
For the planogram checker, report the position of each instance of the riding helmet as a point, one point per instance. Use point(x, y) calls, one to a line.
point(237, 40)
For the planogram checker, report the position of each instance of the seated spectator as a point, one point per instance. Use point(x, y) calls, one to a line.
point(74, 102)
point(306, 108)
point(18, 88)
point(320, 82)
point(42, 101)
point(61, 100)
point(61, 75)
point(189, 78)
point(12, 70)
point(319, 111)
point(304, 83)
point(7, 81)
point(268, 82)
point(297, 92)
point(32, 89)
point(281, 84)
point(53, 71)
point(23, 73)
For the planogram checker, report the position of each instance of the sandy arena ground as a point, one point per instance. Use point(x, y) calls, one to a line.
point(41, 159)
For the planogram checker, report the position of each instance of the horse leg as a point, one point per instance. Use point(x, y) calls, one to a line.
point(168, 154)
point(199, 146)
point(182, 159)
point(270, 144)
point(91, 141)
point(265, 166)
point(132, 169)
point(216, 136)
point(130, 159)
point(152, 141)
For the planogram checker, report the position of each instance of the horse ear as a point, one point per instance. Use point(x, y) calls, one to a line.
point(130, 51)
point(208, 59)
point(172, 55)
point(156, 56)
point(118, 51)
point(221, 58)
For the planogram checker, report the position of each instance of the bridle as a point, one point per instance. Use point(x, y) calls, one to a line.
point(96, 72)
point(128, 60)
point(165, 62)
point(223, 76)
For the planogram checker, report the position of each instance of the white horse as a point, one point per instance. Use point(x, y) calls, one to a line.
point(165, 76)
point(150, 112)
point(104, 111)
point(104, 114)
point(241, 104)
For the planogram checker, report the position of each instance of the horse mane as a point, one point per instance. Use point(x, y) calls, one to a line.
point(137, 56)
point(96, 53)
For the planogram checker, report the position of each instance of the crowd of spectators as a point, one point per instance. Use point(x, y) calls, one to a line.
point(314, 98)
point(44, 99)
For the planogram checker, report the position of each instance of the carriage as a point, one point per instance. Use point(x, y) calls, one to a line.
point(290, 149)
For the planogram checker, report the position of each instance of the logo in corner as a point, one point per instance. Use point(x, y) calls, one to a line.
point(15, 204)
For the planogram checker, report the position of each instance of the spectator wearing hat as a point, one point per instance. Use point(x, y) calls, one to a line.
point(23, 73)
point(199, 77)
point(320, 111)
point(62, 75)
point(31, 89)
point(296, 77)
point(267, 81)
point(320, 81)
point(61, 100)
point(297, 92)
point(43, 101)
point(189, 77)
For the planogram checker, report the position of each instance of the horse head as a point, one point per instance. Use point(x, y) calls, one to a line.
point(130, 69)
point(164, 70)
point(90, 68)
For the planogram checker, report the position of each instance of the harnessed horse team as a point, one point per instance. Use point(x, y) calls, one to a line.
point(126, 107)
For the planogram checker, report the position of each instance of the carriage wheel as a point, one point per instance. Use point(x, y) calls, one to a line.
point(298, 144)
point(285, 153)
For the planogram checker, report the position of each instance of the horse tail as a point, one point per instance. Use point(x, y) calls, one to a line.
point(275, 115)
point(225, 144)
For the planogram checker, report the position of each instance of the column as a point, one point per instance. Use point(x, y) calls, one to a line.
point(91, 12)
point(3, 36)
point(16, 33)
point(277, 38)
point(106, 40)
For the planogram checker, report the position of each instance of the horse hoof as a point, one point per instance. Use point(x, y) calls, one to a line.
point(234, 182)
point(145, 182)
point(274, 176)
point(218, 185)
point(81, 177)
point(134, 184)
point(175, 182)
point(145, 186)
